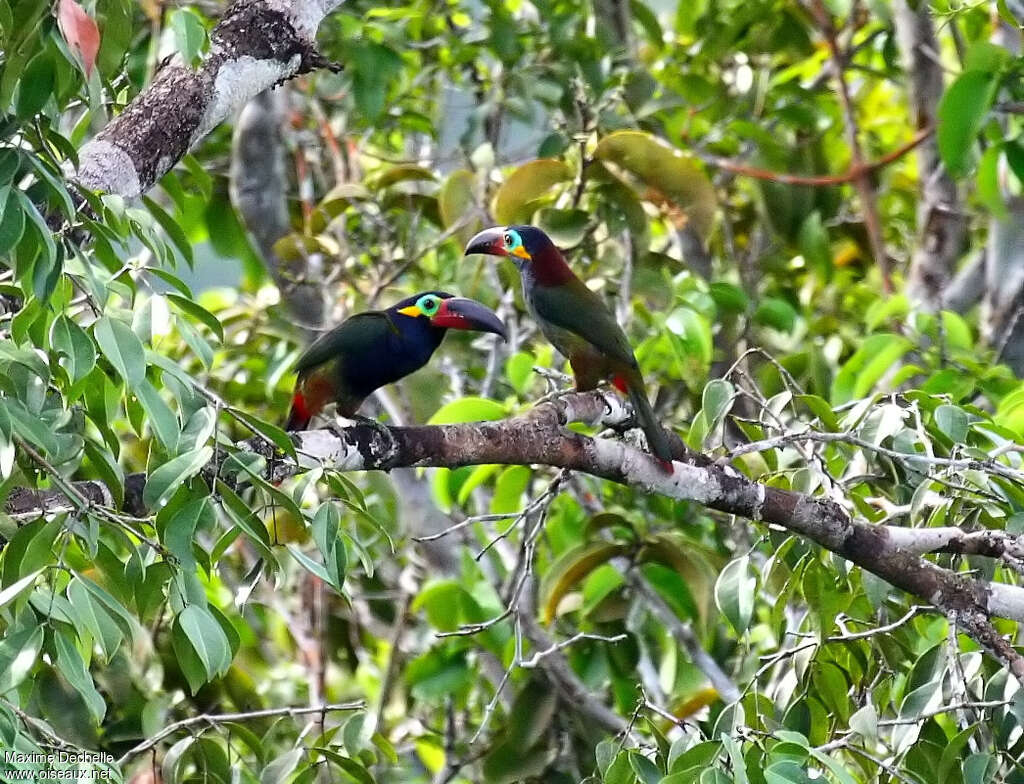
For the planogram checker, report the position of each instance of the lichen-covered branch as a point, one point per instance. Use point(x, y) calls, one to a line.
point(257, 44)
point(538, 437)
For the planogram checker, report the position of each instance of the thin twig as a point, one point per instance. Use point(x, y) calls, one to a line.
point(220, 718)
point(851, 175)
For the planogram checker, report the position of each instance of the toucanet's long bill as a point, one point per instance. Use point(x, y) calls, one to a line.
point(465, 313)
point(490, 242)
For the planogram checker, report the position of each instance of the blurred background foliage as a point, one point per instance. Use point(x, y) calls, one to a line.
point(136, 336)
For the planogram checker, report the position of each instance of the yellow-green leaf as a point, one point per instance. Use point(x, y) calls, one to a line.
point(468, 409)
point(671, 175)
point(526, 184)
point(571, 568)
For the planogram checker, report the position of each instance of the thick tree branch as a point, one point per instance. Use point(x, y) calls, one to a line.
point(257, 44)
point(538, 437)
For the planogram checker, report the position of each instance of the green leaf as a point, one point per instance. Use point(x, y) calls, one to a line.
point(325, 527)
point(565, 227)
point(507, 763)
point(620, 771)
point(670, 174)
point(570, 569)
point(728, 297)
point(647, 772)
point(162, 420)
point(165, 480)
point(814, 245)
point(246, 519)
point(189, 34)
point(49, 256)
point(355, 771)
point(989, 189)
point(953, 422)
point(75, 344)
point(122, 348)
point(699, 756)
point(207, 638)
point(455, 199)
point(716, 401)
point(509, 488)
point(519, 371)
point(273, 433)
point(199, 313)
point(10, 593)
point(174, 232)
point(12, 222)
point(866, 367)
point(694, 334)
point(109, 470)
point(19, 653)
point(468, 409)
point(776, 313)
point(36, 85)
point(95, 618)
point(173, 758)
point(375, 66)
point(178, 532)
point(821, 409)
point(278, 771)
point(72, 666)
point(961, 113)
point(525, 185)
point(734, 593)
point(199, 345)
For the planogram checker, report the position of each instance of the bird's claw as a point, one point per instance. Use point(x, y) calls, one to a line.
point(382, 430)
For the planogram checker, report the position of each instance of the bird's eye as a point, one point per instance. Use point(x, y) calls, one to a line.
point(508, 239)
point(428, 306)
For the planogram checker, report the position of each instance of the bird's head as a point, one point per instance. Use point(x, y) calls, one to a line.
point(522, 244)
point(529, 247)
point(444, 311)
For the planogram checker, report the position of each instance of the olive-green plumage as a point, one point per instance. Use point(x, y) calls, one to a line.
point(575, 320)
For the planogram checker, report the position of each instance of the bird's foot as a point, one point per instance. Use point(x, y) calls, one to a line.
point(665, 465)
point(338, 429)
point(556, 395)
point(383, 432)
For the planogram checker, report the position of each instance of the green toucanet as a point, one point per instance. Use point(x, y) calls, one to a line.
point(575, 320)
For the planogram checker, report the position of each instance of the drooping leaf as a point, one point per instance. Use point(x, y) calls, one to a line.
point(207, 639)
point(123, 348)
point(734, 593)
point(570, 569)
point(961, 113)
point(526, 184)
point(670, 175)
point(165, 480)
point(74, 343)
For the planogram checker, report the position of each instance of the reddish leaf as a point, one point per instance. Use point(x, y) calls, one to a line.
point(80, 31)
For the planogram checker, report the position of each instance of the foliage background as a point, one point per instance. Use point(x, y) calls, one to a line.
point(136, 335)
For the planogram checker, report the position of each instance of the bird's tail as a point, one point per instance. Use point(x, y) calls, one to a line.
point(298, 414)
point(657, 441)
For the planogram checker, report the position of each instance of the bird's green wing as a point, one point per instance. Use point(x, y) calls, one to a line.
point(575, 308)
point(353, 334)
